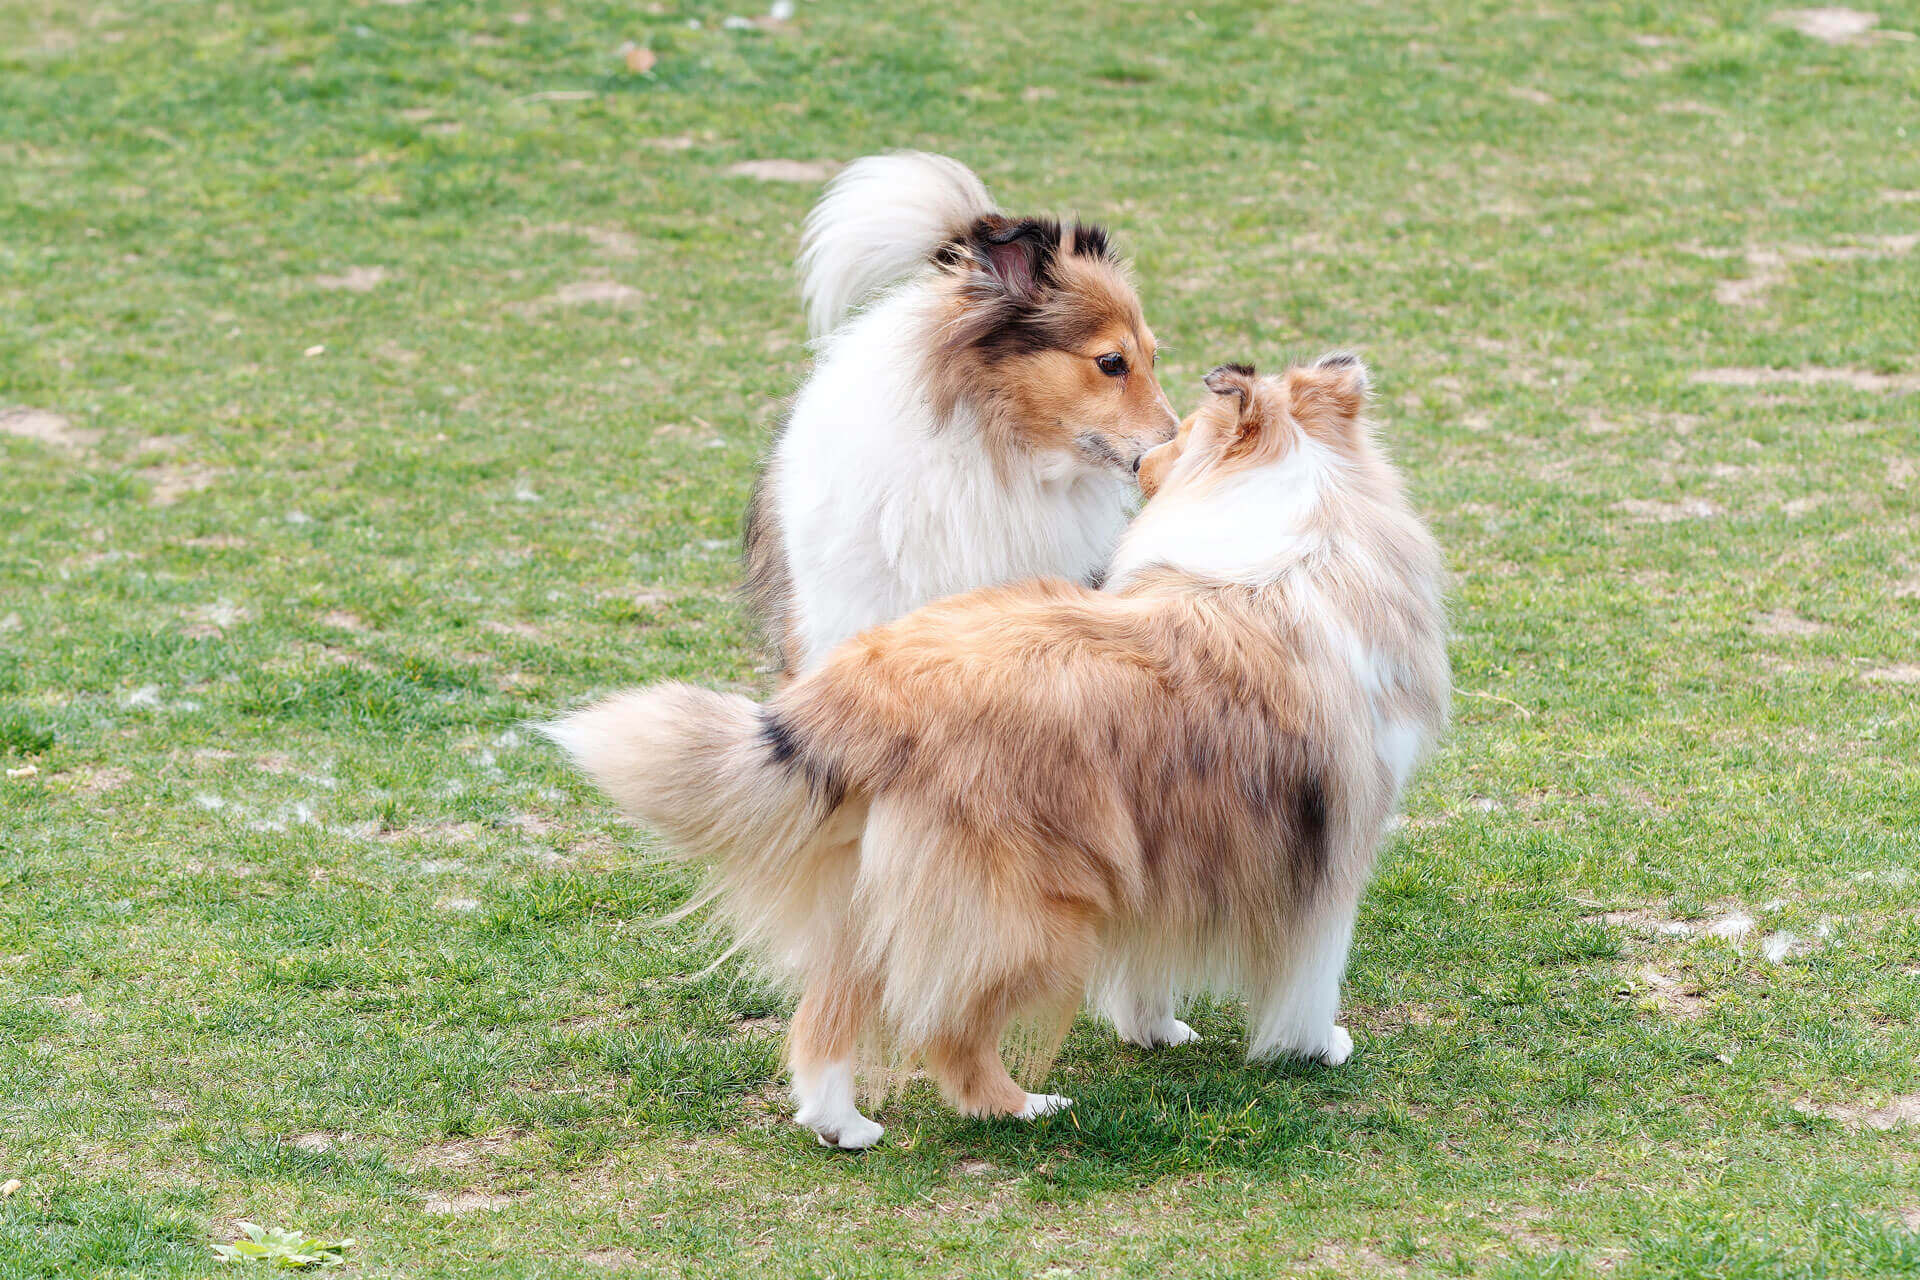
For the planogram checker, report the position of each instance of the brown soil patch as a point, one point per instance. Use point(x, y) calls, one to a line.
point(784, 170)
point(1784, 622)
point(354, 279)
point(525, 630)
point(343, 620)
point(1909, 588)
point(47, 428)
point(1858, 379)
point(1902, 673)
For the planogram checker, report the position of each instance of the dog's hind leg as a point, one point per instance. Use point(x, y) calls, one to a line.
point(1297, 1013)
point(820, 1051)
point(1140, 1005)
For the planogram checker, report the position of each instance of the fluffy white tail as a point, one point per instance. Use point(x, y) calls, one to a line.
point(696, 766)
point(880, 220)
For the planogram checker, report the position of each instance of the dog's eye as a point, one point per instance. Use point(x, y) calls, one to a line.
point(1113, 364)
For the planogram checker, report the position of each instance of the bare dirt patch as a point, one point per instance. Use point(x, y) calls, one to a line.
point(525, 630)
point(1899, 1112)
point(467, 1202)
point(1900, 673)
point(354, 280)
point(465, 1152)
point(1675, 997)
point(1830, 25)
point(172, 483)
point(610, 241)
point(47, 427)
point(1858, 379)
point(1649, 510)
point(616, 1256)
point(1768, 265)
point(316, 1141)
point(100, 781)
point(444, 832)
point(1785, 622)
point(1351, 1260)
point(211, 621)
point(784, 170)
point(342, 619)
point(588, 292)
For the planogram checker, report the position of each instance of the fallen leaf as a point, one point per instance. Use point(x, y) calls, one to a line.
point(640, 59)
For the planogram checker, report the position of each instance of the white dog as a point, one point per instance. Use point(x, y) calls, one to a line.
point(979, 422)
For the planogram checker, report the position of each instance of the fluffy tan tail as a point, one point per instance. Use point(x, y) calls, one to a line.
point(703, 770)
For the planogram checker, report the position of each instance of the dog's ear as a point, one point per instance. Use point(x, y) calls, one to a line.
point(1015, 257)
point(1329, 394)
point(1236, 383)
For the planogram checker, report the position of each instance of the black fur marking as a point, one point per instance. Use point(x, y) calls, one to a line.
point(786, 748)
point(1091, 242)
point(781, 741)
point(1310, 822)
point(1337, 358)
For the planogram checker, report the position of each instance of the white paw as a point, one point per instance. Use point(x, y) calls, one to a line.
point(1339, 1047)
point(1042, 1104)
point(1172, 1032)
point(855, 1134)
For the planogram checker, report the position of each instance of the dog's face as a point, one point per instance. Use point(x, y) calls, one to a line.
point(1048, 340)
point(1250, 421)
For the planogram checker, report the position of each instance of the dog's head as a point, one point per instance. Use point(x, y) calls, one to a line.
point(1046, 341)
point(1249, 421)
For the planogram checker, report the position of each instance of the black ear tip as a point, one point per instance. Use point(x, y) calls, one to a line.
point(1345, 360)
point(1229, 380)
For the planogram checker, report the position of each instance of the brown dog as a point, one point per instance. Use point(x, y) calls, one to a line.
point(981, 813)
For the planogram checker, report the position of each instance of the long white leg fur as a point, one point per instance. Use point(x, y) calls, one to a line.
point(1299, 1014)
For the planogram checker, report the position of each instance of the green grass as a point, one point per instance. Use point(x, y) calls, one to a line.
point(297, 926)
